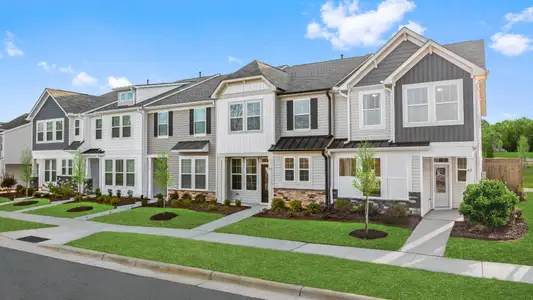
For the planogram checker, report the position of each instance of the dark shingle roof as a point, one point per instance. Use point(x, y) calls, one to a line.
point(473, 51)
point(94, 151)
point(190, 145)
point(340, 144)
point(277, 77)
point(199, 92)
point(74, 146)
point(77, 103)
point(18, 121)
point(301, 143)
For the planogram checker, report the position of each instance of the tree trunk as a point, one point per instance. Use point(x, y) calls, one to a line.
point(26, 190)
point(366, 215)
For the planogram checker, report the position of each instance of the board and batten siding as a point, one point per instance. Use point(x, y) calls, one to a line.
point(435, 68)
point(317, 176)
point(360, 134)
point(322, 113)
point(50, 110)
point(245, 87)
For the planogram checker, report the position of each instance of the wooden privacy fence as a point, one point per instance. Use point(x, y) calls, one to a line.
point(508, 170)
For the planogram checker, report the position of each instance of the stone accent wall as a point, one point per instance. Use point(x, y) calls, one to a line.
point(383, 204)
point(306, 196)
point(208, 195)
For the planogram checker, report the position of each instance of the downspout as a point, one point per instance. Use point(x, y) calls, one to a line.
point(393, 113)
point(326, 157)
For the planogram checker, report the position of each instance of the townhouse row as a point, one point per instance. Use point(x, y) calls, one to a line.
point(287, 131)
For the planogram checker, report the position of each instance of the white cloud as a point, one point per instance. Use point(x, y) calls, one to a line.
point(83, 79)
point(524, 16)
point(232, 59)
point(346, 26)
point(68, 70)
point(414, 27)
point(511, 44)
point(11, 48)
point(115, 82)
point(47, 67)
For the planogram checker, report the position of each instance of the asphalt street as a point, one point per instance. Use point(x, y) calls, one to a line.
point(26, 276)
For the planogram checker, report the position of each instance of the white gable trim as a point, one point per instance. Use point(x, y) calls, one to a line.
point(223, 83)
point(39, 104)
point(405, 34)
point(429, 48)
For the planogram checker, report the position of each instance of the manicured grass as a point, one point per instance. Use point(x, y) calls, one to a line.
point(60, 210)
point(12, 207)
point(320, 232)
point(4, 199)
point(363, 278)
point(186, 219)
point(514, 252)
point(511, 154)
point(14, 225)
point(528, 177)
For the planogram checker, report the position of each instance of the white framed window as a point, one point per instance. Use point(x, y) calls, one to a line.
point(109, 172)
point(236, 117)
point(372, 110)
point(50, 131)
point(200, 121)
point(50, 170)
point(253, 115)
point(76, 127)
point(125, 96)
point(162, 124)
point(98, 129)
point(115, 127)
point(130, 172)
point(245, 116)
point(251, 174)
point(119, 172)
point(302, 114)
point(193, 172)
point(186, 173)
point(461, 169)
point(126, 126)
point(200, 173)
point(119, 129)
point(303, 168)
point(288, 164)
point(66, 167)
point(236, 174)
point(433, 103)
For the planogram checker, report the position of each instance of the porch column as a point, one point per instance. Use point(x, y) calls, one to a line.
point(470, 170)
point(150, 178)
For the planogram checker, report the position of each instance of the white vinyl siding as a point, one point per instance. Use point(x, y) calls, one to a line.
point(316, 171)
point(371, 110)
point(358, 132)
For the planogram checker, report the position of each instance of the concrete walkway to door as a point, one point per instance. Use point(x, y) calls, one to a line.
point(431, 235)
point(233, 218)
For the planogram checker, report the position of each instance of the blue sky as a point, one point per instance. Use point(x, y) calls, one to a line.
point(90, 48)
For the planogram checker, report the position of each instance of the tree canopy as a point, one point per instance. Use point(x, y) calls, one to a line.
point(509, 132)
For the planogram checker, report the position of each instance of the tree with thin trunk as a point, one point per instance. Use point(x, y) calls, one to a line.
point(366, 180)
point(79, 172)
point(523, 148)
point(500, 145)
point(26, 170)
point(162, 177)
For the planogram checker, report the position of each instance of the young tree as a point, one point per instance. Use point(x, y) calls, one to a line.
point(366, 180)
point(26, 160)
point(500, 145)
point(162, 176)
point(523, 148)
point(79, 173)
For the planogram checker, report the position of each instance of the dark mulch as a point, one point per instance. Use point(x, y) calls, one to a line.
point(164, 216)
point(338, 216)
point(25, 203)
point(13, 195)
point(515, 231)
point(54, 198)
point(80, 209)
point(372, 234)
point(123, 201)
point(206, 207)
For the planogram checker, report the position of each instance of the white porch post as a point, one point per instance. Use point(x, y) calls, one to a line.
point(150, 178)
point(470, 170)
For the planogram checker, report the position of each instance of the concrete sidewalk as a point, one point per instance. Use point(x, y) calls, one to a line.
point(233, 218)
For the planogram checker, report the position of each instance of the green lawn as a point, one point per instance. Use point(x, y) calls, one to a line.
point(12, 207)
point(331, 273)
point(528, 177)
point(186, 219)
point(511, 154)
point(60, 210)
point(515, 252)
point(4, 199)
point(320, 232)
point(14, 225)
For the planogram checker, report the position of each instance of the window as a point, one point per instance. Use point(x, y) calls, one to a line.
point(251, 174)
point(186, 173)
point(200, 174)
point(98, 129)
point(461, 169)
point(199, 121)
point(119, 172)
point(115, 127)
point(59, 130)
point(193, 167)
point(253, 116)
point(126, 96)
point(162, 125)
point(289, 169)
point(76, 127)
point(303, 168)
point(130, 172)
point(66, 167)
point(377, 171)
point(236, 174)
point(40, 132)
point(109, 172)
point(347, 166)
point(371, 109)
point(302, 114)
point(236, 117)
point(50, 171)
point(126, 126)
point(50, 131)
point(440, 160)
point(433, 103)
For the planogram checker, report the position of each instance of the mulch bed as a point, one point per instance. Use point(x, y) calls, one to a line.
point(53, 198)
point(338, 216)
point(80, 209)
point(25, 203)
point(123, 201)
point(209, 208)
point(13, 195)
point(164, 216)
point(372, 234)
point(514, 231)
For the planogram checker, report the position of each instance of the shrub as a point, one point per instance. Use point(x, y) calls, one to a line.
point(130, 194)
point(144, 202)
point(344, 205)
point(174, 196)
point(187, 203)
point(119, 193)
point(53, 189)
point(489, 202)
point(65, 190)
point(160, 198)
point(174, 203)
point(114, 201)
point(18, 188)
point(8, 181)
point(22, 191)
point(78, 198)
point(373, 211)
point(238, 203)
point(186, 196)
point(200, 198)
point(278, 204)
point(110, 192)
point(212, 207)
point(98, 192)
point(30, 191)
point(107, 199)
point(397, 211)
point(212, 201)
point(314, 208)
point(227, 202)
point(295, 206)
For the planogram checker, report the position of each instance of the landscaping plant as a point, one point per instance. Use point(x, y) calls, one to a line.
point(238, 203)
point(344, 205)
point(314, 208)
point(278, 204)
point(163, 177)
point(26, 160)
point(8, 181)
point(79, 173)
point(119, 193)
point(110, 192)
point(295, 206)
point(227, 202)
point(523, 148)
point(130, 194)
point(97, 192)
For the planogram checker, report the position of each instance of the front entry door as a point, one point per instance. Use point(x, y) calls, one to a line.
point(264, 184)
point(442, 187)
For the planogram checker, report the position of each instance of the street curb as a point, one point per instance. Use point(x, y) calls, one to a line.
point(209, 275)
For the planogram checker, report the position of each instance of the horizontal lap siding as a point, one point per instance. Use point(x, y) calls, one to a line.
point(323, 118)
point(359, 134)
point(317, 180)
point(50, 110)
point(415, 173)
point(340, 117)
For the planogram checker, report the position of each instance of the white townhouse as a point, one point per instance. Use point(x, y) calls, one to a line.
point(15, 137)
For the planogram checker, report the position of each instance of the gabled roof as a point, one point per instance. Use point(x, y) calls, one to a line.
point(473, 51)
point(77, 103)
point(17, 122)
point(199, 92)
point(257, 68)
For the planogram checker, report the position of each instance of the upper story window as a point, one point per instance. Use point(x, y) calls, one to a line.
point(248, 119)
point(302, 114)
point(199, 121)
point(76, 127)
point(433, 103)
point(253, 116)
point(50, 131)
point(371, 109)
point(98, 129)
point(117, 129)
point(236, 117)
point(125, 96)
point(126, 126)
point(162, 126)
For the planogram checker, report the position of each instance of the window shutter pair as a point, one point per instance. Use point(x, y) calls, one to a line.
point(170, 123)
point(314, 114)
point(207, 121)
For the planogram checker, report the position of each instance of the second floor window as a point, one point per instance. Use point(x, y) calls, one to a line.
point(371, 113)
point(199, 121)
point(245, 116)
point(117, 129)
point(50, 131)
point(302, 114)
point(76, 127)
point(236, 117)
point(162, 126)
point(98, 129)
point(126, 126)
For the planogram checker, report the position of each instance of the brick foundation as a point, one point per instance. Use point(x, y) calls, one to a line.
point(208, 195)
point(306, 196)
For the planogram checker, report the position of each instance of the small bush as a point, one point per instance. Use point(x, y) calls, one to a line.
point(78, 198)
point(114, 201)
point(144, 202)
point(98, 192)
point(238, 203)
point(187, 203)
point(110, 192)
point(18, 188)
point(344, 205)
point(295, 206)
point(119, 193)
point(227, 202)
point(107, 199)
point(65, 190)
point(314, 208)
point(489, 202)
point(174, 203)
point(278, 204)
point(22, 190)
point(174, 196)
point(186, 196)
point(8, 181)
point(212, 207)
point(30, 191)
point(130, 194)
point(200, 198)
point(373, 211)
point(397, 211)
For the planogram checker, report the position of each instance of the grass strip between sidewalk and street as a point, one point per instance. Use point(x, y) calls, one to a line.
point(60, 210)
point(7, 224)
point(389, 282)
point(12, 207)
point(319, 232)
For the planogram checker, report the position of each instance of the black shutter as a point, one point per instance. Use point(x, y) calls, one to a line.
point(170, 123)
point(191, 121)
point(314, 113)
point(208, 120)
point(155, 124)
point(290, 115)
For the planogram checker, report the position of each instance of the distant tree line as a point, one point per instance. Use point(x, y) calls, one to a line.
point(506, 134)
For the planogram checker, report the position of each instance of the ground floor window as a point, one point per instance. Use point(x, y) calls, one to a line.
point(297, 169)
point(251, 174)
point(461, 169)
point(118, 169)
point(66, 167)
point(193, 173)
point(236, 174)
point(50, 171)
point(244, 173)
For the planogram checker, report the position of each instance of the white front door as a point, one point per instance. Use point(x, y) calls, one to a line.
point(442, 187)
